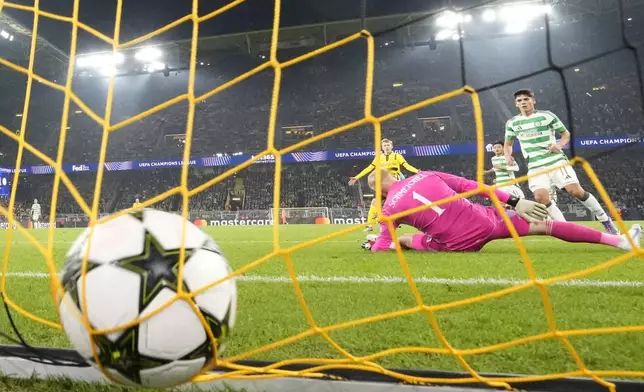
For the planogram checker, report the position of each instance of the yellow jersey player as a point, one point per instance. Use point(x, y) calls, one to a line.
point(389, 161)
point(136, 203)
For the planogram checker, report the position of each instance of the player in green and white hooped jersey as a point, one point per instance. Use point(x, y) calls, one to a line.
point(536, 131)
point(504, 172)
point(35, 212)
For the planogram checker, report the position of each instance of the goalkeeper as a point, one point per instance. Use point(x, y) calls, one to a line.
point(389, 161)
point(461, 225)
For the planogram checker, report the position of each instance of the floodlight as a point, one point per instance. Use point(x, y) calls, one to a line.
point(153, 67)
point(447, 19)
point(442, 35)
point(148, 54)
point(107, 71)
point(516, 27)
point(489, 16)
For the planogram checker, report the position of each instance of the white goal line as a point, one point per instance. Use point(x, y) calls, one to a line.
point(388, 279)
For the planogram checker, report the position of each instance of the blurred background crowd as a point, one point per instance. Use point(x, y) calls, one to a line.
point(599, 98)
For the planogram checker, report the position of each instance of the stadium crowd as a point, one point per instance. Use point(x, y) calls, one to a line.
point(322, 93)
point(302, 185)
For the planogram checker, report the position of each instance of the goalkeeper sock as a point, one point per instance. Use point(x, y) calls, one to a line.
point(593, 205)
point(572, 232)
point(554, 212)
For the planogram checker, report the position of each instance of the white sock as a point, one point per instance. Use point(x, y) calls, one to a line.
point(555, 213)
point(593, 205)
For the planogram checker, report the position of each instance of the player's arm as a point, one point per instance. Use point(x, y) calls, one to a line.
point(403, 162)
point(514, 167)
point(527, 209)
point(460, 185)
point(510, 137)
point(560, 130)
point(384, 240)
point(363, 173)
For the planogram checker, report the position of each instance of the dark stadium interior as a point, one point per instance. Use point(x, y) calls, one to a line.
point(325, 92)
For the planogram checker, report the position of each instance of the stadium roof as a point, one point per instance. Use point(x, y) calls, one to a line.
point(18, 49)
point(416, 28)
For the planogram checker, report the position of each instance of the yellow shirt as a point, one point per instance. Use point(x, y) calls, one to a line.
point(391, 163)
point(135, 204)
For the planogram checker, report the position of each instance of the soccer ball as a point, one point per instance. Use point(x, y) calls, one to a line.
point(132, 271)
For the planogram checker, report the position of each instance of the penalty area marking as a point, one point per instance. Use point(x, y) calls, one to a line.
point(386, 279)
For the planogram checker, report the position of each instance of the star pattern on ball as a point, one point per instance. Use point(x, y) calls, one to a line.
point(157, 266)
point(123, 355)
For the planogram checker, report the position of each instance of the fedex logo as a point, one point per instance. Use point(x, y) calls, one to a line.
point(80, 168)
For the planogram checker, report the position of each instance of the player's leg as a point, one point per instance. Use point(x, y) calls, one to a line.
point(553, 194)
point(566, 231)
point(566, 178)
point(372, 215)
point(540, 186)
point(572, 232)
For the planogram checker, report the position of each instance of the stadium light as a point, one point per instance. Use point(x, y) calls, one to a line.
point(516, 27)
point(4, 34)
point(489, 16)
point(447, 19)
point(11, 38)
point(444, 34)
point(18, 114)
point(455, 37)
point(523, 12)
point(100, 60)
point(153, 67)
point(148, 54)
point(107, 71)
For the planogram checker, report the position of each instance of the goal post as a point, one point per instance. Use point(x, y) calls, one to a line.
point(303, 215)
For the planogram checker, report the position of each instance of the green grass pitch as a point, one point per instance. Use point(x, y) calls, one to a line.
point(341, 282)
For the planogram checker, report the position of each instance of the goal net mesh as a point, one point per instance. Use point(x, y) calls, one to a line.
point(318, 366)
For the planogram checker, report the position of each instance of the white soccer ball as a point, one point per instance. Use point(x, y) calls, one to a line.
point(132, 271)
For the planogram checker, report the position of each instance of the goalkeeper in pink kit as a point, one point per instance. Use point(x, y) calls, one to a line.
point(463, 226)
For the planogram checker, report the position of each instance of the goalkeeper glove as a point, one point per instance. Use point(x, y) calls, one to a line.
point(528, 210)
point(367, 244)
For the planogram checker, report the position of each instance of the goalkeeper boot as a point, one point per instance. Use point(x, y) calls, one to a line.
point(635, 234)
point(610, 227)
